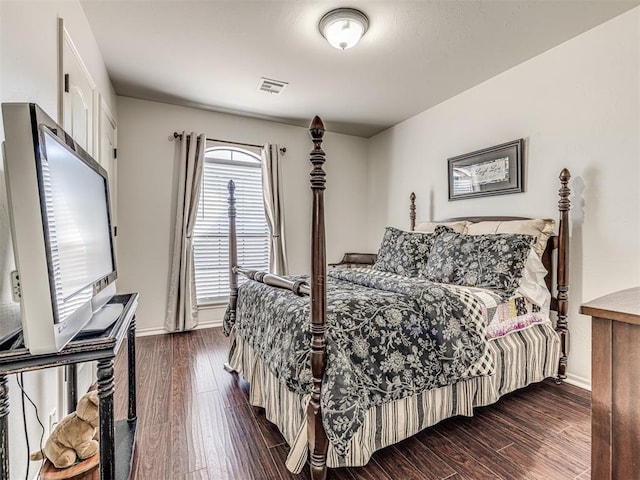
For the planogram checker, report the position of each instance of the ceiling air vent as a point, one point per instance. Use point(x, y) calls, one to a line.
point(272, 86)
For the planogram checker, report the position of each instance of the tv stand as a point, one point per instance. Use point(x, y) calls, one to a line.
point(102, 319)
point(117, 439)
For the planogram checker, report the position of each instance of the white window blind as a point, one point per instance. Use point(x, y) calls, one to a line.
point(211, 232)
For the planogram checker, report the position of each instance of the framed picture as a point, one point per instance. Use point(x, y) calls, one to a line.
point(491, 171)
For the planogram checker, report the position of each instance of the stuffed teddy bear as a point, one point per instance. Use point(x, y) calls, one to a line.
point(75, 436)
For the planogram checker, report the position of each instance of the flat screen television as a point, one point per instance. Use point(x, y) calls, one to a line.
point(61, 230)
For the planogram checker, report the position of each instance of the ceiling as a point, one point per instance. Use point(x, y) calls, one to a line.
point(416, 54)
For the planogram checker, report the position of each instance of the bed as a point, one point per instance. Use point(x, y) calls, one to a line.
point(403, 345)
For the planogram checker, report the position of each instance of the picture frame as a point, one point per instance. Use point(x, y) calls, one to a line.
point(491, 171)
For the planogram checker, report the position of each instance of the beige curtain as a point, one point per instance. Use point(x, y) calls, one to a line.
point(273, 206)
point(182, 312)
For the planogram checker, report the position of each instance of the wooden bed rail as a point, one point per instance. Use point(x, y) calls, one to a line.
point(299, 287)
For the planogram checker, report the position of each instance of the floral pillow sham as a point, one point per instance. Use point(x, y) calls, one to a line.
point(404, 253)
point(492, 261)
point(541, 228)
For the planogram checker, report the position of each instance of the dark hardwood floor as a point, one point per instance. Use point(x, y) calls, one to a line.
point(195, 423)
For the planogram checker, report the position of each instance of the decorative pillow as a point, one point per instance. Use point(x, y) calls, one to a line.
point(430, 227)
point(541, 228)
point(493, 261)
point(404, 253)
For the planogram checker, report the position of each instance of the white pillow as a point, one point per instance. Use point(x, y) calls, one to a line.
point(532, 284)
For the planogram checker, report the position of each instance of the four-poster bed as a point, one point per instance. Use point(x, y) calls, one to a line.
point(301, 401)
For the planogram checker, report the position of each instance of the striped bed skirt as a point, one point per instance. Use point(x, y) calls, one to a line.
point(521, 358)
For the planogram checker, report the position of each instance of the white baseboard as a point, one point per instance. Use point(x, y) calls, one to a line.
point(578, 381)
point(211, 324)
point(147, 332)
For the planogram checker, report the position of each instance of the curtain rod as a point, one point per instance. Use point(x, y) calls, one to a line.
point(178, 136)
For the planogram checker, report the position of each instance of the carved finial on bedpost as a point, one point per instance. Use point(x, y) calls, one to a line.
point(564, 205)
point(317, 155)
point(412, 210)
point(233, 253)
point(316, 434)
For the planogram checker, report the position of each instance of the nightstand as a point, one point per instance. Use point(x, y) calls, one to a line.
point(351, 260)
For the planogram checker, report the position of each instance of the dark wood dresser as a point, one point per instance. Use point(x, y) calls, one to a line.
point(615, 383)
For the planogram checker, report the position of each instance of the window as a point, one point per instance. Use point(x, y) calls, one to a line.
point(211, 232)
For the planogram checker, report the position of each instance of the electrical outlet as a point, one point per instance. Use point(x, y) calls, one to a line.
point(53, 420)
point(16, 292)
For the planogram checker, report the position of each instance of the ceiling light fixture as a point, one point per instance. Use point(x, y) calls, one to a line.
point(343, 27)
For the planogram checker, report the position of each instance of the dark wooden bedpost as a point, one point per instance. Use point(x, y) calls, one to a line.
point(563, 272)
point(412, 210)
point(316, 434)
point(233, 253)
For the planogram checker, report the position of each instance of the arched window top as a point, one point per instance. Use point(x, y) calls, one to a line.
point(232, 155)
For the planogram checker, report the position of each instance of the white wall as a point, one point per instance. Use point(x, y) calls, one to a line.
point(30, 51)
point(577, 106)
point(146, 194)
point(29, 73)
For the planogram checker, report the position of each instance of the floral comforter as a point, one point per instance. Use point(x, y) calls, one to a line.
point(388, 337)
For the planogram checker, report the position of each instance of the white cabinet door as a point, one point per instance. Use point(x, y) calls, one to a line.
point(78, 106)
point(107, 156)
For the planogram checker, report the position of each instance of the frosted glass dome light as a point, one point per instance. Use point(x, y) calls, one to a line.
point(343, 27)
